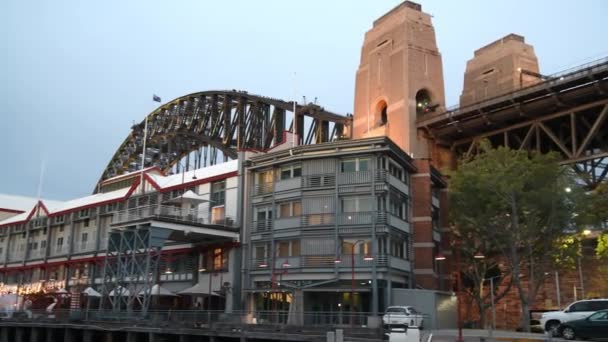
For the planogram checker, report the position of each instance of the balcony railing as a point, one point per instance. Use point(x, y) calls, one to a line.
point(322, 261)
point(171, 213)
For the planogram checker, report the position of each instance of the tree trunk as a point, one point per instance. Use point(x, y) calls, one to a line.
point(525, 318)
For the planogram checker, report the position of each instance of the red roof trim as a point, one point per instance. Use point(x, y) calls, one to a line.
point(12, 211)
point(131, 174)
point(97, 204)
point(152, 182)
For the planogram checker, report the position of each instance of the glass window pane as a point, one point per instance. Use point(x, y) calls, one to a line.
point(297, 171)
point(363, 164)
point(297, 208)
point(349, 166)
point(285, 210)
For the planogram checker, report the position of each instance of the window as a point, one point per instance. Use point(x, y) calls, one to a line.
point(290, 209)
point(356, 204)
point(264, 177)
point(61, 229)
point(581, 306)
point(59, 219)
point(86, 223)
point(288, 248)
point(59, 243)
point(260, 252)
point(353, 165)
point(395, 171)
point(84, 237)
point(364, 248)
point(42, 244)
point(291, 171)
point(218, 193)
point(216, 260)
point(397, 205)
point(83, 213)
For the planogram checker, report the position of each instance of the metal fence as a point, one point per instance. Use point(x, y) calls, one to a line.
point(191, 318)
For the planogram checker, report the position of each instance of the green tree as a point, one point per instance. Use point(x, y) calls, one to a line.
point(515, 203)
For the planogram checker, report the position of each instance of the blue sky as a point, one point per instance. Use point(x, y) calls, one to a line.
point(75, 75)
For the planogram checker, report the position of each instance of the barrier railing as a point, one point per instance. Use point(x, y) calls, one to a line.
point(342, 316)
point(171, 213)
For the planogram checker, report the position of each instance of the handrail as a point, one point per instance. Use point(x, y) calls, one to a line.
point(171, 213)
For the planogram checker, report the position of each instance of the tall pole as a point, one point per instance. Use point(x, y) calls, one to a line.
point(559, 301)
point(352, 285)
point(143, 155)
point(458, 293)
point(580, 276)
point(493, 309)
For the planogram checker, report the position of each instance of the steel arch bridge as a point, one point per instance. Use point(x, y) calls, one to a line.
point(205, 123)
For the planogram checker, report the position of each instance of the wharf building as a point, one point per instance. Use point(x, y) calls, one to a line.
point(330, 213)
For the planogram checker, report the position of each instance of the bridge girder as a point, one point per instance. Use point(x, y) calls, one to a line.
point(227, 121)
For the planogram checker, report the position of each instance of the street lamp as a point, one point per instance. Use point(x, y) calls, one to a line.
point(367, 257)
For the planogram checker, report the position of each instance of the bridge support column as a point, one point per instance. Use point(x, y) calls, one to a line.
point(131, 336)
point(68, 335)
point(35, 334)
point(109, 337)
point(19, 332)
point(4, 334)
point(50, 335)
point(87, 336)
point(152, 337)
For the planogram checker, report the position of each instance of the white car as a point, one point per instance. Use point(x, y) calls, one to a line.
point(403, 315)
point(551, 320)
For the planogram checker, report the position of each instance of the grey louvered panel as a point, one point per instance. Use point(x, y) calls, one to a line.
point(318, 205)
point(319, 166)
point(317, 246)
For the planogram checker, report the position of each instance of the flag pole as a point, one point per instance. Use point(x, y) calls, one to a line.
point(143, 156)
point(295, 118)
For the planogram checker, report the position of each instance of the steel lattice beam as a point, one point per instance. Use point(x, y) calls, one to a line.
point(225, 121)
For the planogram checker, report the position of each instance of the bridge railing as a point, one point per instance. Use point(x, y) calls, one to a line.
point(560, 76)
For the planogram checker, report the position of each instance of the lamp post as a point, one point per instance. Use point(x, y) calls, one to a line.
point(367, 257)
point(441, 257)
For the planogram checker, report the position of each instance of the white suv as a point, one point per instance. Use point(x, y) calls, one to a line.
point(402, 315)
point(551, 320)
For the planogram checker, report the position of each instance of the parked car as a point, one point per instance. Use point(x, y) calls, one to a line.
point(403, 315)
point(594, 326)
point(551, 320)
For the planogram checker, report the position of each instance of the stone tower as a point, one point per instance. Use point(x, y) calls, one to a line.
point(498, 68)
point(399, 78)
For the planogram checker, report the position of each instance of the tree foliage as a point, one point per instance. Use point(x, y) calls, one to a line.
point(512, 205)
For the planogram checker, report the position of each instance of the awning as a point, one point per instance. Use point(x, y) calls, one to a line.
point(119, 291)
point(188, 197)
point(89, 291)
point(157, 290)
point(198, 289)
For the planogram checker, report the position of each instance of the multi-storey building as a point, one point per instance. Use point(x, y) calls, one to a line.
point(328, 226)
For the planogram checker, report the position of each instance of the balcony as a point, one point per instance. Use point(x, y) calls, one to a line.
point(329, 261)
point(171, 214)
